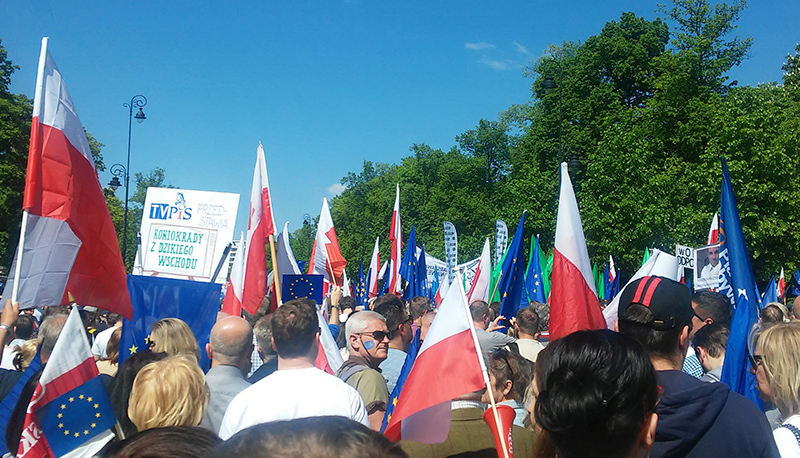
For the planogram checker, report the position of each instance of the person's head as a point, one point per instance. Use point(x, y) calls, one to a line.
point(480, 312)
point(777, 366)
point(527, 323)
point(710, 307)
point(709, 344)
point(368, 336)
point(597, 396)
point(173, 337)
point(113, 318)
point(230, 343)
point(295, 329)
point(169, 392)
point(398, 322)
point(494, 308)
point(263, 333)
point(509, 376)
point(543, 310)
point(772, 313)
point(313, 437)
point(713, 255)
point(168, 442)
point(24, 354)
point(112, 347)
point(23, 327)
point(120, 389)
point(425, 325)
point(419, 306)
point(48, 334)
point(657, 312)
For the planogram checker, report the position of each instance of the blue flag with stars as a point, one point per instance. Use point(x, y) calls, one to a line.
point(77, 415)
point(307, 286)
point(360, 290)
point(533, 279)
point(770, 293)
point(422, 274)
point(154, 298)
point(738, 284)
point(411, 356)
point(512, 278)
point(794, 285)
point(408, 266)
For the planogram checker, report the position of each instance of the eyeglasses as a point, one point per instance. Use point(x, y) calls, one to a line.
point(151, 344)
point(377, 335)
point(500, 353)
point(755, 360)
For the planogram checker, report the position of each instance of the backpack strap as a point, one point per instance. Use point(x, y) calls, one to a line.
point(513, 348)
point(346, 371)
point(794, 431)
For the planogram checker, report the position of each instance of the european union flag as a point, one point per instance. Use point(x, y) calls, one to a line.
point(76, 416)
point(360, 290)
point(770, 293)
point(422, 274)
point(307, 286)
point(738, 284)
point(10, 401)
point(408, 266)
point(534, 283)
point(411, 356)
point(513, 274)
point(154, 298)
point(794, 285)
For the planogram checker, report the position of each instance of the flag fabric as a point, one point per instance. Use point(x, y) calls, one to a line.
point(422, 274)
point(738, 284)
point(599, 284)
point(303, 287)
point(154, 298)
point(713, 231)
point(500, 240)
point(68, 244)
point(512, 282)
point(441, 291)
point(794, 284)
point(547, 274)
point(408, 265)
point(770, 293)
point(646, 255)
point(328, 357)
point(434, 289)
point(411, 356)
point(326, 257)
point(70, 407)
point(782, 285)
point(232, 304)
point(10, 401)
point(497, 273)
point(396, 237)
point(450, 249)
point(384, 279)
point(480, 282)
point(286, 261)
point(447, 366)
point(533, 280)
point(374, 270)
point(573, 301)
point(610, 280)
point(360, 290)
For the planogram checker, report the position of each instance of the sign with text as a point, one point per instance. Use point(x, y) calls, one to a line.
point(685, 256)
point(185, 232)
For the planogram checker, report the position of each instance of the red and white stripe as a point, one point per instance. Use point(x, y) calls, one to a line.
point(713, 231)
point(574, 305)
point(232, 304)
point(483, 276)
point(781, 284)
point(612, 272)
point(396, 237)
point(374, 270)
point(444, 287)
point(448, 365)
point(326, 257)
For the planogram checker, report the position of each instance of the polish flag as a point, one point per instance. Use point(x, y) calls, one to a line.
point(713, 231)
point(444, 286)
point(781, 285)
point(250, 283)
point(396, 236)
point(447, 366)
point(374, 269)
point(326, 257)
point(573, 300)
point(612, 272)
point(483, 275)
point(232, 304)
point(68, 244)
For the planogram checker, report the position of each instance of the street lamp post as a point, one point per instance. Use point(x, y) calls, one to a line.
point(138, 101)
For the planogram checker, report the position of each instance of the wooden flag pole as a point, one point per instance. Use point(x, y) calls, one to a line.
point(18, 267)
point(495, 285)
point(330, 267)
point(276, 276)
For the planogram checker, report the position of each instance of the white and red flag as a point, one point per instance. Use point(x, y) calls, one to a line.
point(250, 283)
point(444, 286)
point(447, 366)
point(68, 244)
point(612, 271)
point(232, 304)
point(483, 276)
point(396, 237)
point(374, 270)
point(781, 285)
point(713, 231)
point(326, 257)
point(574, 305)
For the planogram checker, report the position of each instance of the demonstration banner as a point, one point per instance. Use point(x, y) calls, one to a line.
point(185, 232)
point(450, 248)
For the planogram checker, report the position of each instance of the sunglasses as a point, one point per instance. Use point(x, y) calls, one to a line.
point(755, 360)
point(377, 335)
point(501, 354)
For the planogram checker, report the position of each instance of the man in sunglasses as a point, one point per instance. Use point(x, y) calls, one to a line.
point(695, 418)
point(398, 322)
point(368, 342)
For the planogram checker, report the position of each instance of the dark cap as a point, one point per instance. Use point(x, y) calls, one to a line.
point(670, 301)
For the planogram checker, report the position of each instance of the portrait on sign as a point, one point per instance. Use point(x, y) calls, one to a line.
point(706, 272)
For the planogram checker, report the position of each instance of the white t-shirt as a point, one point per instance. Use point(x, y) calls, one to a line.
point(290, 394)
point(785, 440)
point(101, 342)
point(529, 348)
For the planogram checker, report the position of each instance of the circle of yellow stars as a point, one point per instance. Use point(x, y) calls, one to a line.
point(60, 415)
point(301, 281)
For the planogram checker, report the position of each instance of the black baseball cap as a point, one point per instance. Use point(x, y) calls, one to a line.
point(670, 301)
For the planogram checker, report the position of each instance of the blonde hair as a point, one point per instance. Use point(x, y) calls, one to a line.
point(778, 345)
point(25, 354)
point(173, 337)
point(169, 392)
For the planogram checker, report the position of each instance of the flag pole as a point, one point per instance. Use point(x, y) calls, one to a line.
point(485, 374)
point(495, 285)
point(18, 268)
point(276, 277)
point(330, 267)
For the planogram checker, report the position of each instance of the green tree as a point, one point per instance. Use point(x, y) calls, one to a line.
point(791, 77)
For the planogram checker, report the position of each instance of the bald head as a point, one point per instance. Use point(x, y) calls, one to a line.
point(230, 342)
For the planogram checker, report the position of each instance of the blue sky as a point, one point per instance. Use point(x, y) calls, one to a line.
point(323, 85)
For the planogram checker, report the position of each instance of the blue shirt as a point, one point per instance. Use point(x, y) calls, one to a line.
point(391, 367)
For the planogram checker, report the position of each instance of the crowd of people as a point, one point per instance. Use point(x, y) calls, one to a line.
point(650, 387)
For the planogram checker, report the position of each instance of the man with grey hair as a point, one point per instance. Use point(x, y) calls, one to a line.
point(229, 347)
point(48, 334)
point(368, 343)
point(268, 355)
